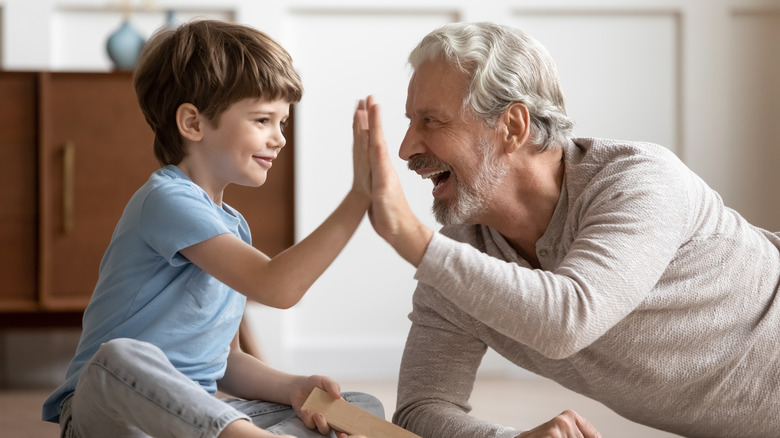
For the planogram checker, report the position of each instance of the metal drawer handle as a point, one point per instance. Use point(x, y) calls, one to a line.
point(68, 186)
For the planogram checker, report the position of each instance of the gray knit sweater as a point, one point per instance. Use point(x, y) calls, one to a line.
point(653, 298)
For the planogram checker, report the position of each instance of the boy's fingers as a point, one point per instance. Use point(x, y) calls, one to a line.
point(322, 425)
point(332, 388)
point(360, 120)
point(308, 419)
point(363, 116)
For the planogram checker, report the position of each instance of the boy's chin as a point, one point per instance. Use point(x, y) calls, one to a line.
point(254, 182)
point(257, 179)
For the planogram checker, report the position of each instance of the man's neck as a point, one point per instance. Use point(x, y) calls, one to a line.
point(523, 213)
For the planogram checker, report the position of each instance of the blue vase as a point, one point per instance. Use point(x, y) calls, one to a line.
point(124, 45)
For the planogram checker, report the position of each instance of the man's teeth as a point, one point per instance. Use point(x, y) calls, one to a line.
point(432, 174)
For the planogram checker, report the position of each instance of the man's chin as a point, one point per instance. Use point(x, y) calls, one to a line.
point(457, 213)
point(446, 214)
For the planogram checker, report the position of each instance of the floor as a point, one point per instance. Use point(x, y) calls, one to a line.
point(515, 402)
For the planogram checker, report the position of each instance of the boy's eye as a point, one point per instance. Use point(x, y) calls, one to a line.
point(263, 120)
point(283, 125)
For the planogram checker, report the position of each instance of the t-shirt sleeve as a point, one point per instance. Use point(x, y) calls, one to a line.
point(176, 216)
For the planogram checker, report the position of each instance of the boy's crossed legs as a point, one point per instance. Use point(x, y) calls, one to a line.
point(130, 389)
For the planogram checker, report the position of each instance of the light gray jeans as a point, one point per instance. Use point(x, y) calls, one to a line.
point(130, 389)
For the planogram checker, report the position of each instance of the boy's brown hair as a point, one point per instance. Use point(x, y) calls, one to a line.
point(210, 64)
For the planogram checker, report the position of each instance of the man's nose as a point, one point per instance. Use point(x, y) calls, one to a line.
point(411, 145)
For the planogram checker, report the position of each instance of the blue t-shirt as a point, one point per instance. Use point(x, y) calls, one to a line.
point(147, 291)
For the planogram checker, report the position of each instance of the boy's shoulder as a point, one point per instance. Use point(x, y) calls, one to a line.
point(170, 181)
point(166, 195)
point(169, 174)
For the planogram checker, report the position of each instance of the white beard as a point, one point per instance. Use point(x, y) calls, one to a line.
point(471, 199)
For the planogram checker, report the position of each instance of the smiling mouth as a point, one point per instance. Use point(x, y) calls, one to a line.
point(438, 177)
point(265, 161)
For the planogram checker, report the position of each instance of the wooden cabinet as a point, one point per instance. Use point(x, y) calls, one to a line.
point(18, 192)
point(75, 148)
point(95, 151)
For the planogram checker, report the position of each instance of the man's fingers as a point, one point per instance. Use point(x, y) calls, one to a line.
point(575, 425)
point(567, 424)
point(588, 430)
point(381, 166)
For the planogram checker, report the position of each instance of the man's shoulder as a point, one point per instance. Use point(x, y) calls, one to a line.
point(607, 150)
point(598, 158)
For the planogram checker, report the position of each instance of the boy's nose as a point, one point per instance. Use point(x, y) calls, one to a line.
point(278, 140)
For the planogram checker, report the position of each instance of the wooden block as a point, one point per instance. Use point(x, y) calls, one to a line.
point(349, 418)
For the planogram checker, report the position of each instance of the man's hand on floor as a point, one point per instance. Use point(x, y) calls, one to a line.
point(568, 424)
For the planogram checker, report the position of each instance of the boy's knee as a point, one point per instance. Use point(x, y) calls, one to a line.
point(122, 349)
point(367, 402)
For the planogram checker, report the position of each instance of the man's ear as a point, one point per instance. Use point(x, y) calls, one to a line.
point(188, 120)
point(517, 120)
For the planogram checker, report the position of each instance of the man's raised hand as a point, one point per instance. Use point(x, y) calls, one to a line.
point(390, 213)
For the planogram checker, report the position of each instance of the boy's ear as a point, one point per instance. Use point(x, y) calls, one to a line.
point(188, 120)
point(517, 120)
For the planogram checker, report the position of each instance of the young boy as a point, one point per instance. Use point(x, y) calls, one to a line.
point(160, 332)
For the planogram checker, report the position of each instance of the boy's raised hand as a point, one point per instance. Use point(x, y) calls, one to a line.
point(360, 163)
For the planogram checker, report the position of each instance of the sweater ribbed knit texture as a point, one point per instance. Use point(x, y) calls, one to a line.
point(653, 298)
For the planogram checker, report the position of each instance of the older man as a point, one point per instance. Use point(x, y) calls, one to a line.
point(607, 266)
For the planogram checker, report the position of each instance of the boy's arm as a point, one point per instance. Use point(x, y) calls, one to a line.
point(283, 280)
point(249, 378)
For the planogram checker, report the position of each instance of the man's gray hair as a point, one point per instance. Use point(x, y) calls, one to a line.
point(506, 66)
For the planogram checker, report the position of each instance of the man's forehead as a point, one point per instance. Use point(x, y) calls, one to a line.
point(435, 89)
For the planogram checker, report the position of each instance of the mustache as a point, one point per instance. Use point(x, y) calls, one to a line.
point(423, 161)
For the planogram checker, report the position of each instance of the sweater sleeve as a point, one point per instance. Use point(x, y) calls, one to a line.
point(438, 368)
point(625, 230)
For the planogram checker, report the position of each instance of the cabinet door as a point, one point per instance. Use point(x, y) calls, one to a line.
point(19, 195)
point(96, 151)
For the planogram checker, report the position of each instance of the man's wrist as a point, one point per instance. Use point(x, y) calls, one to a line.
point(414, 243)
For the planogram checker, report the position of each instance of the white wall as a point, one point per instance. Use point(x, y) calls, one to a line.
point(698, 76)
